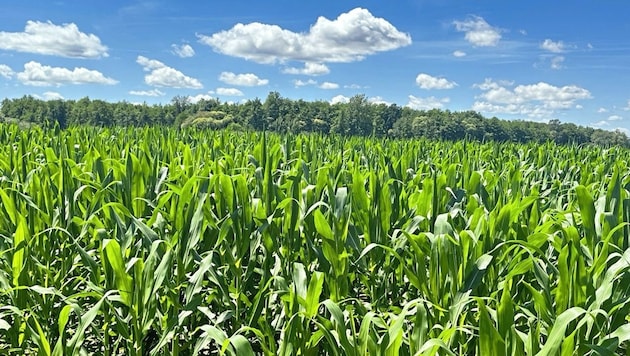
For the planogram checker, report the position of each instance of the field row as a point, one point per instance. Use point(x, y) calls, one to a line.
point(166, 242)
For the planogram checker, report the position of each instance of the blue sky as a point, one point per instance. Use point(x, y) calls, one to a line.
point(533, 60)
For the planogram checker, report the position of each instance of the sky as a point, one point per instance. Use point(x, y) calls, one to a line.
point(526, 60)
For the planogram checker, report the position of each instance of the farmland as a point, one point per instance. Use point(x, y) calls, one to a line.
point(174, 242)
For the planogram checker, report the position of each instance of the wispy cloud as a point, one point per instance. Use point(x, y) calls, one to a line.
point(153, 92)
point(479, 32)
point(6, 71)
point(426, 103)
point(301, 83)
point(182, 51)
point(553, 46)
point(557, 62)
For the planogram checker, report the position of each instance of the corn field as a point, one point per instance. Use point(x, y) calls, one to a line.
point(155, 241)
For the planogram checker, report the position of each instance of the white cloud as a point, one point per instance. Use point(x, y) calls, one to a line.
point(479, 32)
point(339, 99)
point(50, 39)
point(163, 76)
point(40, 75)
point(197, 98)
point(579, 107)
point(355, 86)
point(556, 62)
point(602, 110)
point(426, 103)
point(627, 108)
point(229, 92)
point(551, 46)
point(245, 80)
point(348, 38)
point(600, 123)
point(614, 118)
point(378, 100)
point(51, 95)
point(183, 51)
point(426, 81)
point(459, 54)
point(491, 84)
point(329, 85)
point(310, 68)
point(300, 83)
point(6, 71)
point(153, 92)
point(539, 100)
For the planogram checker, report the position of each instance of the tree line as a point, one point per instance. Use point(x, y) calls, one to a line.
point(356, 117)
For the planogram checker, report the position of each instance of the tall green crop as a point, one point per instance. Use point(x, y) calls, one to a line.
point(166, 242)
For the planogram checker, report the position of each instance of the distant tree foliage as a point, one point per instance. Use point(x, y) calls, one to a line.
point(357, 117)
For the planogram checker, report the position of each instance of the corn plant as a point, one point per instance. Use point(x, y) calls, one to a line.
point(155, 241)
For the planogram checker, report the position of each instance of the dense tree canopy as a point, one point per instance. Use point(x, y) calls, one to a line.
point(356, 117)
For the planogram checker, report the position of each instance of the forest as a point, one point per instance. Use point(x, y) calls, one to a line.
point(357, 117)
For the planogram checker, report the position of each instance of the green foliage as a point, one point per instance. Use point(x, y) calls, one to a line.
point(176, 242)
point(357, 117)
point(209, 120)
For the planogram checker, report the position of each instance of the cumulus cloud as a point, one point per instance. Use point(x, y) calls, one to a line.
point(57, 40)
point(183, 51)
point(245, 80)
point(425, 81)
point(378, 100)
point(329, 85)
point(229, 92)
point(339, 99)
point(602, 110)
point(348, 38)
point(426, 103)
point(160, 75)
point(552, 46)
point(300, 83)
point(37, 74)
point(459, 54)
point(540, 100)
point(199, 97)
point(51, 95)
point(153, 92)
point(310, 68)
point(614, 118)
point(478, 32)
point(6, 71)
